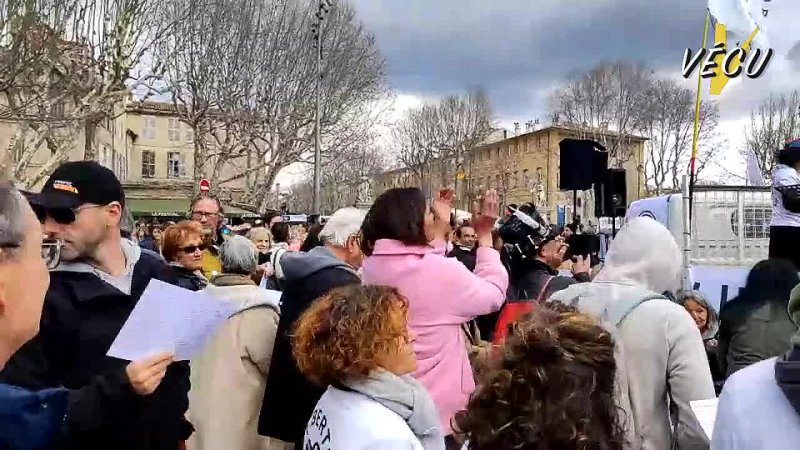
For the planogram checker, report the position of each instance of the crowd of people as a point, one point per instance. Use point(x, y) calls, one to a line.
point(396, 328)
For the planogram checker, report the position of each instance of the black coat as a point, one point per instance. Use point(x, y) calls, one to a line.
point(528, 283)
point(187, 279)
point(290, 398)
point(466, 257)
point(81, 318)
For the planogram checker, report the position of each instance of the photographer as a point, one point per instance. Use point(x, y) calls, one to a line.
point(534, 251)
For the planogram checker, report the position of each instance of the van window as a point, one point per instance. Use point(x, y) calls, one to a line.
point(756, 222)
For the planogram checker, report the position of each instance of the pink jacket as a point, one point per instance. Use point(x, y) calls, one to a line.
point(442, 295)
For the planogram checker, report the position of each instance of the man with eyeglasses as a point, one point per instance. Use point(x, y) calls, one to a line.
point(207, 211)
point(112, 403)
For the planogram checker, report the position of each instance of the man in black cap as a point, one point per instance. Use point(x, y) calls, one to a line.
point(113, 403)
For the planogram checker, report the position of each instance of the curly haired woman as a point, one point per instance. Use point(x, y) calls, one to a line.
point(355, 340)
point(553, 389)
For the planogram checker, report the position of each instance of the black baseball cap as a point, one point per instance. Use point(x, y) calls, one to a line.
point(75, 183)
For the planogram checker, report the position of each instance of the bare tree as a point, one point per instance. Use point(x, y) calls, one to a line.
point(771, 124)
point(431, 141)
point(243, 75)
point(343, 175)
point(64, 66)
point(605, 104)
point(668, 121)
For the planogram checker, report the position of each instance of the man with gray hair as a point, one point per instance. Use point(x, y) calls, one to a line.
point(238, 355)
point(28, 419)
point(290, 398)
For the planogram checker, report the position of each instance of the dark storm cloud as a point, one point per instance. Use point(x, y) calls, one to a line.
point(518, 49)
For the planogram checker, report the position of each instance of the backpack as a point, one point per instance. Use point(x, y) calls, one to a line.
point(611, 320)
point(273, 282)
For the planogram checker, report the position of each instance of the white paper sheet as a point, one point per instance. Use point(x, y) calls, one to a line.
point(169, 318)
point(706, 413)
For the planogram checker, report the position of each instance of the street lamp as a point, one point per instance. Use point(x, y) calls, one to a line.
point(316, 30)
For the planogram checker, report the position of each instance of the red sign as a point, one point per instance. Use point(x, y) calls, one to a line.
point(205, 185)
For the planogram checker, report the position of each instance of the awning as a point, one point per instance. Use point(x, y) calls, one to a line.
point(167, 207)
point(177, 207)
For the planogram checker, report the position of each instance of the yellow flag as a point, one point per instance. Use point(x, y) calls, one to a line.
point(719, 80)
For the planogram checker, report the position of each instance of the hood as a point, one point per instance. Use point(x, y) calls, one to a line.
point(297, 265)
point(123, 283)
point(132, 254)
point(713, 317)
point(645, 254)
point(245, 296)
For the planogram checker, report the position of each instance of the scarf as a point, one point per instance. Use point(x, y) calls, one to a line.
point(232, 279)
point(406, 397)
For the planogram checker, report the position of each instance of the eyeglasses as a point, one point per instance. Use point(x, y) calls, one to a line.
point(63, 216)
point(197, 215)
point(51, 252)
point(193, 248)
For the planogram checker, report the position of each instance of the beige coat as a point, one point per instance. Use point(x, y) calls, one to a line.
point(229, 377)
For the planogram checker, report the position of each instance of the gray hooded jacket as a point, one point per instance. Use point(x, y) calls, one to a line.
point(664, 353)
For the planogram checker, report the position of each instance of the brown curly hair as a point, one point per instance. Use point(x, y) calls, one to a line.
point(552, 389)
point(345, 333)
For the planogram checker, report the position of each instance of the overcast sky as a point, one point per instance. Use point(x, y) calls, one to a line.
point(519, 50)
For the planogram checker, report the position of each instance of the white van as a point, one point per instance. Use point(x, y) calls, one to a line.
point(729, 234)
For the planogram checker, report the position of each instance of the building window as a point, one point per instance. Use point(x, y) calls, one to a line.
point(499, 179)
point(526, 179)
point(149, 128)
point(174, 130)
point(58, 109)
point(515, 180)
point(189, 134)
point(176, 167)
point(148, 164)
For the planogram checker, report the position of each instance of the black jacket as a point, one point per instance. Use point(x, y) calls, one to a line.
point(529, 283)
point(187, 279)
point(290, 398)
point(467, 257)
point(81, 318)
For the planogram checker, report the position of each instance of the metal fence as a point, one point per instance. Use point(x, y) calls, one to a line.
point(731, 226)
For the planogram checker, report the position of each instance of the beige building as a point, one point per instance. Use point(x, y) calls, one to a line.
point(523, 168)
point(151, 151)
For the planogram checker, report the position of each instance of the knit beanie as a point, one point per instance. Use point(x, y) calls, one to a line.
point(794, 312)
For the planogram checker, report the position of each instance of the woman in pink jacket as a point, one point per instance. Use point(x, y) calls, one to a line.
point(403, 240)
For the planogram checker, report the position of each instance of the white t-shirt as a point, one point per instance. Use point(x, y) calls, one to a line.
point(753, 413)
point(345, 420)
point(783, 176)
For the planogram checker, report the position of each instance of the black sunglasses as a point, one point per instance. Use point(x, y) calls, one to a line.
point(193, 248)
point(63, 216)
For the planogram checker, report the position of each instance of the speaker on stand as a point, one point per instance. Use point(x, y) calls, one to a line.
point(611, 197)
point(582, 163)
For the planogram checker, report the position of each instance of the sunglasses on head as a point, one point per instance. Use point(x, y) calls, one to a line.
point(193, 248)
point(63, 216)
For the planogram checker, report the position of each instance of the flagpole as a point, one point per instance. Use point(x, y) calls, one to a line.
point(697, 121)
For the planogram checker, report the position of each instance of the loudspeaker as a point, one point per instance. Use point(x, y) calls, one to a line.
point(611, 196)
point(581, 165)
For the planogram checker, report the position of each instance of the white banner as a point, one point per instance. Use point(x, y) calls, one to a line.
point(718, 283)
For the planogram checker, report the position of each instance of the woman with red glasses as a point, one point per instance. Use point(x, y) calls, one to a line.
point(183, 249)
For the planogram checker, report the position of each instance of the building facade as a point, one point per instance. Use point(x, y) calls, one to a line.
point(522, 168)
point(151, 151)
